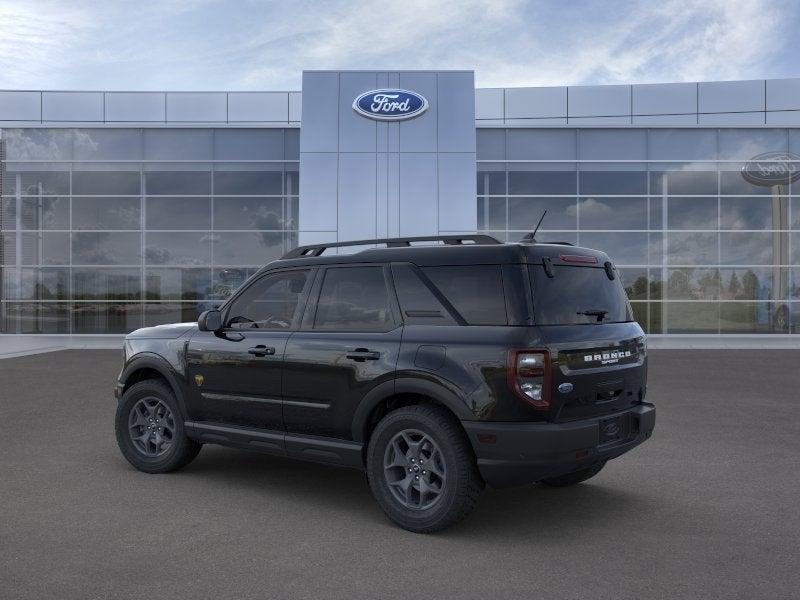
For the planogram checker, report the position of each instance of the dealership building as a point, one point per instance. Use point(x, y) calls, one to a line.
point(126, 209)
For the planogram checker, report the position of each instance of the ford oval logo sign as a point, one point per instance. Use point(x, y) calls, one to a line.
point(772, 168)
point(390, 105)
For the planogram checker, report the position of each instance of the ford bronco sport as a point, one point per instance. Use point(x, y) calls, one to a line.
point(436, 369)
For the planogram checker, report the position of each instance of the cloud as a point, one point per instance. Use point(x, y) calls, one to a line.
point(33, 35)
point(211, 44)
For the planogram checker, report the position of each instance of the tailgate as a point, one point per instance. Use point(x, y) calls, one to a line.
point(596, 369)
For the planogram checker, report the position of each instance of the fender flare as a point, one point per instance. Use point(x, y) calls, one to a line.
point(150, 360)
point(407, 385)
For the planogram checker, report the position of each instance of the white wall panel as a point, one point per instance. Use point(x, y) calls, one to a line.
point(732, 119)
point(419, 134)
point(784, 118)
point(197, 107)
point(318, 205)
point(133, 107)
point(20, 106)
point(535, 103)
point(320, 129)
point(356, 134)
point(665, 119)
point(730, 96)
point(455, 124)
point(457, 209)
point(664, 98)
point(258, 106)
point(583, 121)
point(357, 212)
point(599, 100)
point(418, 194)
point(489, 103)
point(783, 94)
point(72, 106)
point(295, 106)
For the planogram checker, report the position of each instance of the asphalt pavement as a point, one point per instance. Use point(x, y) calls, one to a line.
point(708, 508)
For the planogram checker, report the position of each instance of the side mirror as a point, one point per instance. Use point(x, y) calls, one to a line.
point(210, 320)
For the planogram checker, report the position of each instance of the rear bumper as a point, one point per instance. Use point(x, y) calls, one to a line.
point(523, 453)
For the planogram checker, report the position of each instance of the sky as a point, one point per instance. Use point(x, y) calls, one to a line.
point(259, 45)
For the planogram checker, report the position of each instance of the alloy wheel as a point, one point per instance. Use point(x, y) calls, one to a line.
point(414, 469)
point(151, 427)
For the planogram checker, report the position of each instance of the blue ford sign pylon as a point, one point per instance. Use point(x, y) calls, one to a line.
point(390, 105)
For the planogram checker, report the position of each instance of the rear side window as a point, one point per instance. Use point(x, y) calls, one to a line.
point(475, 291)
point(354, 299)
point(418, 303)
point(577, 295)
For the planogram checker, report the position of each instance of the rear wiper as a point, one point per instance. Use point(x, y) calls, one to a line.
point(600, 314)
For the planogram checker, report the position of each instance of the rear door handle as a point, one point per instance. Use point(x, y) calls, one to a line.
point(261, 350)
point(362, 354)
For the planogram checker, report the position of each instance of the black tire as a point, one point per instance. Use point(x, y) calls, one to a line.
point(575, 476)
point(459, 489)
point(177, 453)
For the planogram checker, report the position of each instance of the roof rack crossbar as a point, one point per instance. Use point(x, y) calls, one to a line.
point(449, 240)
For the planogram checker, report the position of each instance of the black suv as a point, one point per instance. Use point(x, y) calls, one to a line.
point(435, 368)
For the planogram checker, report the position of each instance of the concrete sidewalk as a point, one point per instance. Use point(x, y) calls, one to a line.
point(12, 346)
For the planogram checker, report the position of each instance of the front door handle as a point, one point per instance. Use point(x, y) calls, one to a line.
point(261, 350)
point(362, 354)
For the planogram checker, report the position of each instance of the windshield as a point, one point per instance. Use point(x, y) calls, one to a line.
point(577, 295)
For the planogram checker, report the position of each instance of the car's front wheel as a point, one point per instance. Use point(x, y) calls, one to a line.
point(149, 428)
point(422, 470)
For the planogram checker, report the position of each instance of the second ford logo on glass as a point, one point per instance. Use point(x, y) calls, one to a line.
point(390, 105)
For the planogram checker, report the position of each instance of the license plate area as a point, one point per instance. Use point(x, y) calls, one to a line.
point(614, 429)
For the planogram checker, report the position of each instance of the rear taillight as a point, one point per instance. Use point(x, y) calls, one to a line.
point(529, 376)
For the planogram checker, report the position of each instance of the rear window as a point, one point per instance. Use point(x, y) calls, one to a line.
point(475, 291)
point(577, 295)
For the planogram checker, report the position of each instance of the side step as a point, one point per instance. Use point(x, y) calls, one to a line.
point(305, 447)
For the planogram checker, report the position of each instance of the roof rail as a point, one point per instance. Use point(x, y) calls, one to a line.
point(449, 240)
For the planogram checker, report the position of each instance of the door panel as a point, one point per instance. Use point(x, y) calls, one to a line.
point(348, 344)
point(327, 374)
point(236, 374)
point(232, 385)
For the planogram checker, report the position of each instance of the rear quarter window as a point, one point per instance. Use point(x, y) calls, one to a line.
point(417, 302)
point(475, 291)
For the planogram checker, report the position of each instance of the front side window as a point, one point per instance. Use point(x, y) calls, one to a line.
point(272, 302)
point(354, 299)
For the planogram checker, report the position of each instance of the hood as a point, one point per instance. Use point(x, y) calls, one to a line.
point(162, 332)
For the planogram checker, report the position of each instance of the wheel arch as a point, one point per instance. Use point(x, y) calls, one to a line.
point(151, 366)
point(404, 392)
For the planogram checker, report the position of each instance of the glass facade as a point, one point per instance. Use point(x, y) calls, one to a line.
point(701, 249)
point(108, 230)
point(104, 230)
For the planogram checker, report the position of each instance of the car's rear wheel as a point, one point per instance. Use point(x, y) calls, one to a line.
point(575, 476)
point(149, 428)
point(422, 470)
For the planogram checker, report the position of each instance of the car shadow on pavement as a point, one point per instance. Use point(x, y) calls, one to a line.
point(526, 512)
